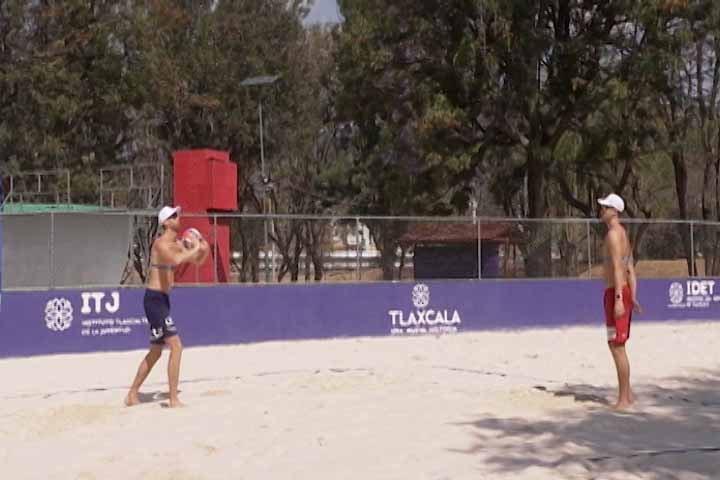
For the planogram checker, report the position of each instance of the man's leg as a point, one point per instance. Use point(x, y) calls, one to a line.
point(174, 368)
point(143, 371)
point(622, 365)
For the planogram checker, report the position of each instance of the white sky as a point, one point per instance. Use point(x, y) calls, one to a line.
point(324, 11)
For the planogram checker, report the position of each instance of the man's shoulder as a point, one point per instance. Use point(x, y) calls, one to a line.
point(616, 232)
point(614, 235)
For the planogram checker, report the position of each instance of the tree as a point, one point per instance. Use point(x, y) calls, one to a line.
point(195, 56)
point(703, 20)
point(61, 86)
point(389, 91)
point(308, 155)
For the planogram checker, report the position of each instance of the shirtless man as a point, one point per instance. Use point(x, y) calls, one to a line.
point(621, 293)
point(166, 254)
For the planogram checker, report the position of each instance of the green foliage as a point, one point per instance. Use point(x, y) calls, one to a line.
point(533, 108)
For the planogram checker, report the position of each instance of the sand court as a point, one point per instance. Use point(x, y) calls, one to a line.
point(528, 404)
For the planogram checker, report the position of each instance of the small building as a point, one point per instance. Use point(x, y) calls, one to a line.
point(450, 250)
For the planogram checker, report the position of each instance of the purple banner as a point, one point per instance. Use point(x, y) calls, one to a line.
point(63, 321)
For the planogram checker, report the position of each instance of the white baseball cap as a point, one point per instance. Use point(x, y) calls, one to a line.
point(613, 201)
point(167, 212)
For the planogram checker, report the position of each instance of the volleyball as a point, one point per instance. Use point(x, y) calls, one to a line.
point(190, 237)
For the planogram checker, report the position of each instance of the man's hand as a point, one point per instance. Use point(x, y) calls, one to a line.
point(636, 306)
point(192, 245)
point(202, 253)
point(186, 253)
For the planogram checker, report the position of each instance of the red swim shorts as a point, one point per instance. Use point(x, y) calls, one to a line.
point(618, 328)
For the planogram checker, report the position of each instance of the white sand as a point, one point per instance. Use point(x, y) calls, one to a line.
point(494, 405)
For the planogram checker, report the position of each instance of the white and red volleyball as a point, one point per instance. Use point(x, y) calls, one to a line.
point(190, 237)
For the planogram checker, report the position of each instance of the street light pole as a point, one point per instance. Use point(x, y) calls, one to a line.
point(248, 82)
point(268, 275)
point(262, 145)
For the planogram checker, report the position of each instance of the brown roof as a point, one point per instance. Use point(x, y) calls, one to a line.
point(459, 233)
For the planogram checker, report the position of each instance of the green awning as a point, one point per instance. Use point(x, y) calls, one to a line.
point(50, 207)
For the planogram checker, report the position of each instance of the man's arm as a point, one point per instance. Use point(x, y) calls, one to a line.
point(632, 282)
point(615, 251)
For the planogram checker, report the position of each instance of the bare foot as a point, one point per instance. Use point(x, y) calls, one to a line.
point(176, 403)
point(623, 406)
point(132, 399)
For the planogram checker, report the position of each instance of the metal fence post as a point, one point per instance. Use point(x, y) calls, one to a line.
point(265, 241)
point(589, 248)
point(52, 250)
point(272, 248)
point(358, 248)
point(215, 247)
point(479, 248)
point(692, 249)
point(131, 238)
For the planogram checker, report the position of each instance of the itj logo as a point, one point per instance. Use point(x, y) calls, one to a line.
point(94, 302)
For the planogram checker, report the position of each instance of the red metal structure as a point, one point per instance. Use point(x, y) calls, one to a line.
point(205, 182)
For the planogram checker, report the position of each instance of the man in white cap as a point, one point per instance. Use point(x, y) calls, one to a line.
point(166, 254)
point(620, 293)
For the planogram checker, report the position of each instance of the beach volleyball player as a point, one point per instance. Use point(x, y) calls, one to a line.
point(620, 294)
point(167, 252)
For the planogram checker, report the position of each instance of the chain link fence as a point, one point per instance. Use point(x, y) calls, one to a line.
point(112, 248)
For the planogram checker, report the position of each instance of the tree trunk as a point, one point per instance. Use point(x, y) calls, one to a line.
point(387, 261)
point(283, 246)
point(386, 235)
point(402, 263)
point(295, 260)
point(314, 249)
point(539, 260)
point(681, 183)
point(711, 234)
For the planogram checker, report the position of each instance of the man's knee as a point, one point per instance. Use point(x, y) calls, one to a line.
point(154, 355)
point(175, 344)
